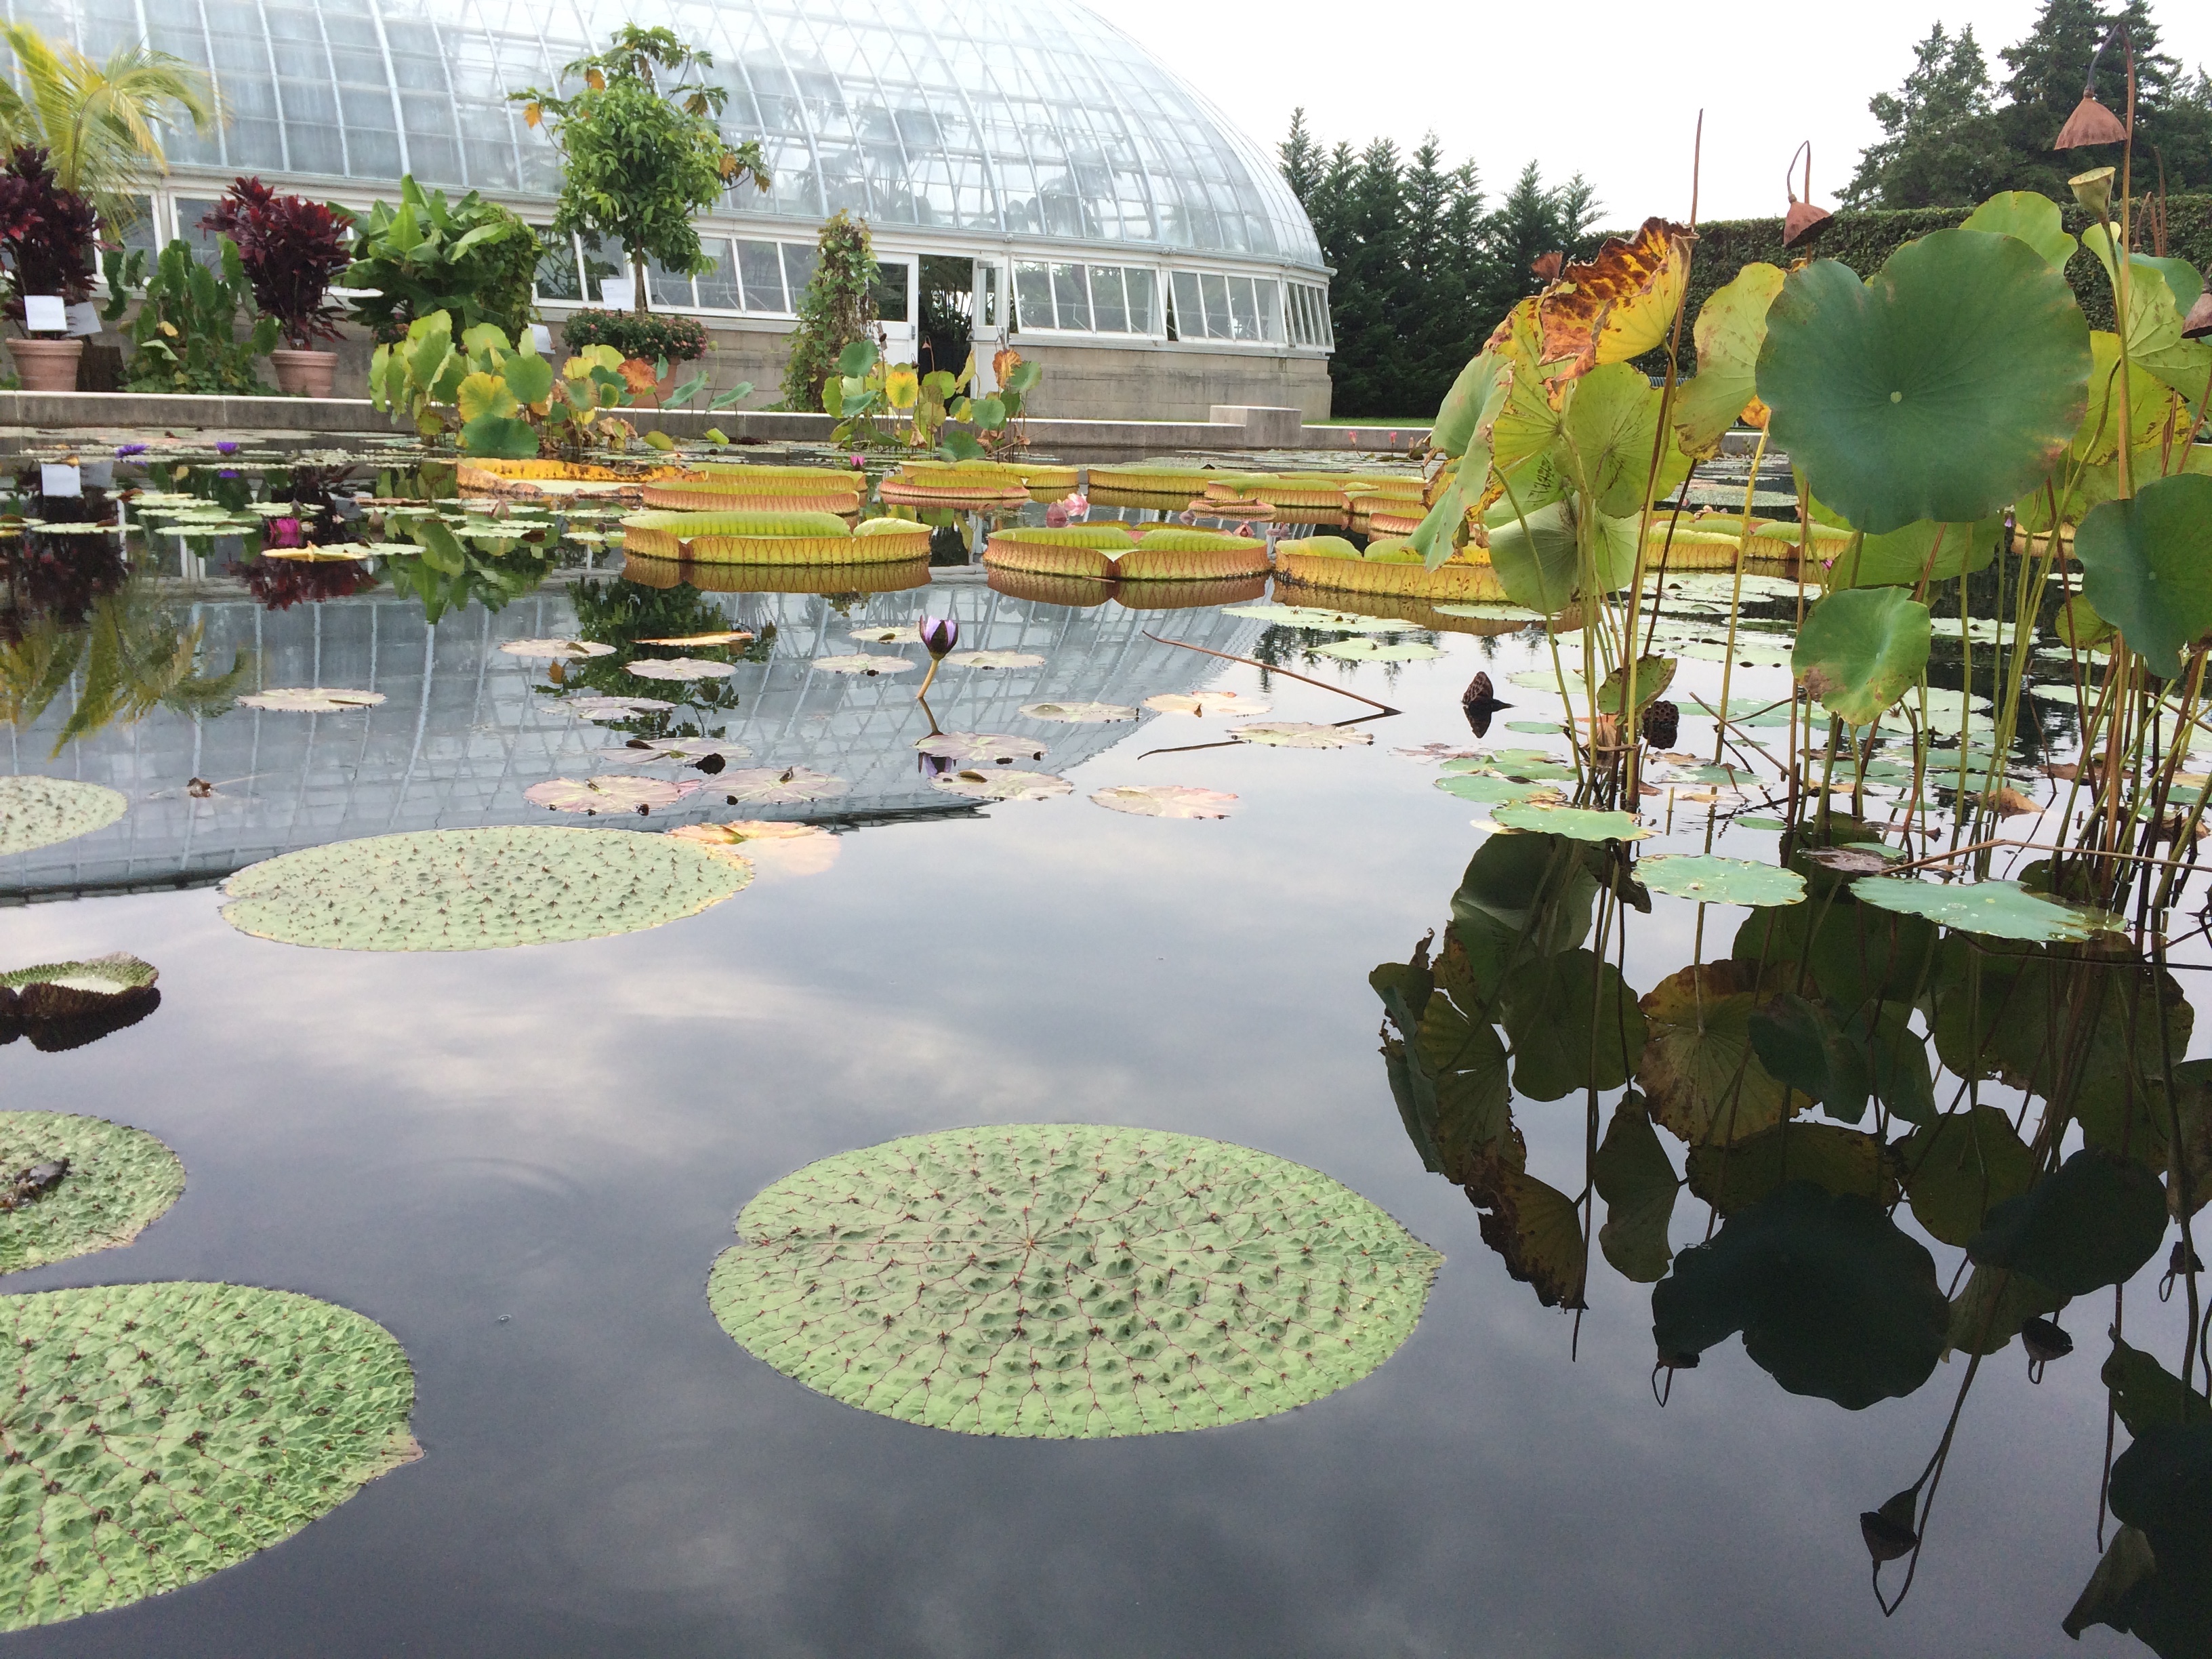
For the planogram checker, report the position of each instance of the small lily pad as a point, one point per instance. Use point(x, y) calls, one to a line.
point(1711, 880)
point(1079, 713)
point(1301, 734)
point(1001, 748)
point(1367, 650)
point(683, 668)
point(1759, 824)
point(37, 812)
point(993, 659)
point(1494, 790)
point(1059, 1281)
point(117, 1181)
point(863, 663)
point(1543, 679)
point(557, 650)
point(613, 708)
point(1325, 622)
point(1535, 728)
point(612, 794)
point(1002, 786)
point(1575, 823)
point(1492, 612)
point(1996, 908)
point(771, 785)
point(1165, 800)
point(1203, 703)
point(311, 700)
point(900, 634)
point(646, 751)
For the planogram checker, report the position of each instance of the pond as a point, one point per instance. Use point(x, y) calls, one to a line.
point(524, 1164)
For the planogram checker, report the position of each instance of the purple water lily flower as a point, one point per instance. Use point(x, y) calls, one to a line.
point(228, 473)
point(226, 447)
point(939, 634)
point(121, 450)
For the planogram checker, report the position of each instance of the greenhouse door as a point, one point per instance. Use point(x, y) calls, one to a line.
point(990, 322)
point(896, 305)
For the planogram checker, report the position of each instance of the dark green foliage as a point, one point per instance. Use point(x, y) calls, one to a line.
point(473, 259)
point(838, 307)
point(186, 337)
point(656, 335)
point(1942, 143)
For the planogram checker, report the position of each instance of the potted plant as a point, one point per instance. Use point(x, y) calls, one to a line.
point(472, 259)
point(654, 343)
point(292, 250)
point(47, 236)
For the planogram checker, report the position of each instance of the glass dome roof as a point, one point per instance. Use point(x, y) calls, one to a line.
point(1030, 120)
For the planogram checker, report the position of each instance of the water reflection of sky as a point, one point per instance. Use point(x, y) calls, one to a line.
point(558, 1137)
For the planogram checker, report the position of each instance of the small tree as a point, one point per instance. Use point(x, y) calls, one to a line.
point(838, 307)
point(638, 159)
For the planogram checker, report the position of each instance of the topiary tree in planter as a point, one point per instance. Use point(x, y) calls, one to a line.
point(47, 236)
point(837, 309)
point(291, 251)
point(638, 158)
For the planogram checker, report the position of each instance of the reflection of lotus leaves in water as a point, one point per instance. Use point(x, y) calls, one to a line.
point(273, 1409)
point(474, 890)
point(1165, 800)
point(312, 700)
point(37, 812)
point(1068, 1281)
point(681, 668)
point(118, 1179)
point(559, 650)
point(1002, 786)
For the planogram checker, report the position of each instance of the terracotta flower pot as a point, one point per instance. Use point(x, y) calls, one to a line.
point(47, 365)
point(304, 374)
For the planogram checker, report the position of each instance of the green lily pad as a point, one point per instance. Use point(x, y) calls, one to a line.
point(1833, 1299)
point(1638, 1186)
point(61, 1005)
point(1068, 1281)
point(1957, 1168)
point(1575, 1025)
point(159, 1433)
point(475, 889)
point(1367, 650)
point(37, 812)
point(1301, 734)
point(2032, 217)
point(2147, 567)
point(1759, 823)
point(1698, 1071)
point(118, 1179)
point(998, 784)
point(1860, 649)
point(1324, 621)
point(1712, 880)
point(1997, 909)
point(1943, 388)
point(1544, 679)
point(1836, 1159)
point(1494, 792)
point(773, 785)
point(1544, 728)
point(1575, 823)
point(2091, 1223)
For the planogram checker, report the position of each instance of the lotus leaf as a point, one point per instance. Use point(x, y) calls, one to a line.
point(862, 664)
point(162, 1432)
point(66, 1005)
point(2156, 305)
point(1002, 786)
point(1638, 1186)
point(2097, 439)
point(1535, 1227)
point(2147, 567)
point(1301, 734)
point(1203, 703)
point(1000, 747)
point(1995, 907)
point(472, 889)
point(682, 668)
point(1575, 823)
point(1491, 612)
point(37, 811)
point(1699, 1073)
point(1536, 558)
point(1454, 1070)
point(2089, 1223)
point(1653, 676)
point(613, 708)
point(1490, 791)
point(1842, 1058)
point(1574, 1023)
point(1068, 1281)
point(614, 794)
point(1860, 649)
point(1837, 1160)
point(557, 650)
point(1957, 1167)
point(2032, 217)
point(1531, 893)
point(994, 660)
point(1730, 329)
point(1831, 1298)
point(1165, 800)
point(771, 785)
point(1612, 429)
point(309, 700)
point(1620, 304)
point(1901, 558)
point(1368, 650)
point(1943, 388)
point(119, 1179)
point(1079, 713)
point(1720, 881)
point(2078, 623)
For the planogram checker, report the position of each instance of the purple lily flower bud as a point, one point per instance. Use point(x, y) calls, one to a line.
point(939, 634)
point(121, 450)
point(226, 448)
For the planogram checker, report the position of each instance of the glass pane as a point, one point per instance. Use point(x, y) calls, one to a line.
point(1032, 296)
point(1109, 312)
point(988, 319)
point(600, 262)
point(1271, 308)
point(718, 289)
point(799, 259)
point(1189, 318)
point(557, 276)
point(1327, 329)
point(764, 277)
point(669, 289)
point(138, 231)
point(1143, 318)
point(1244, 312)
point(190, 210)
point(1071, 298)
point(891, 278)
point(1215, 290)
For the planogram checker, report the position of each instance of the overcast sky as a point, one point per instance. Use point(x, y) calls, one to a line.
point(1608, 88)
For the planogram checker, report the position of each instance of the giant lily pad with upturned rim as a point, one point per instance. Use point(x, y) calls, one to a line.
point(1063, 1281)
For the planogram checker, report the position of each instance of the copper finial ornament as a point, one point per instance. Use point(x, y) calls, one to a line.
point(1803, 221)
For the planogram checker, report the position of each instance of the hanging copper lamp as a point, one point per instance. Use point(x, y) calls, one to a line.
point(1803, 223)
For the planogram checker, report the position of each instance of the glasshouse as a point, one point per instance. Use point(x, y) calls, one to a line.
point(1110, 224)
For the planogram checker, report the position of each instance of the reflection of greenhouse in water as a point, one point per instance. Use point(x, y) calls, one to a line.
point(466, 727)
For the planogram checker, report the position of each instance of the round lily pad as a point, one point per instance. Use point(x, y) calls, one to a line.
point(903, 634)
point(159, 1433)
point(1301, 734)
point(1999, 909)
point(1062, 1281)
point(1165, 800)
point(61, 1005)
point(613, 708)
point(1203, 703)
point(771, 785)
point(117, 1180)
point(1079, 713)
point(474, 890)
point(1366, 650)
point(645, 751)
point(614, 794)
point(1002, 786)
point(1496, 612)
point(862, 664)
point(311, 700)
point(557, 650)
point(1482, 788)
point(993, 659)
point(681, 668)
point(1325, 622)
point(1000, 747)
point(39, 812)
point(1575, 823)
point(1720, 881)
point(720, 636)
